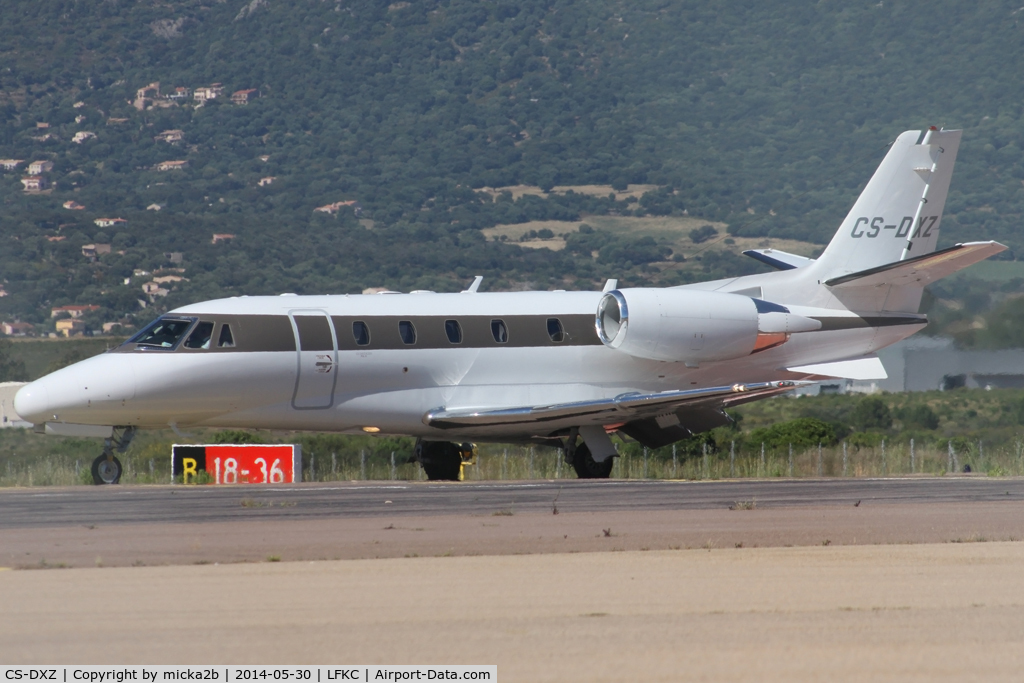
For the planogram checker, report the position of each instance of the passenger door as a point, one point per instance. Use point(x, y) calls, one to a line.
point(317, 347)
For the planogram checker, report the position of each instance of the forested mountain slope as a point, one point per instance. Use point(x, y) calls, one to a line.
point(768, 116)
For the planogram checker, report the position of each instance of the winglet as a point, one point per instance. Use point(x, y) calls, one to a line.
point(610, 285)
point(475, 287)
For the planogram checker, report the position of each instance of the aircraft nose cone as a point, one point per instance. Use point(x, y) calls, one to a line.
point(32, 403)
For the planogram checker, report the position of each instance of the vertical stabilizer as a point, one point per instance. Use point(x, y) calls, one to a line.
point(899, 213)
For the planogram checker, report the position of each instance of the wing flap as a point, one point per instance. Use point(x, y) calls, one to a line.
point(622, 408)
point(869, 367)
point(921, 270)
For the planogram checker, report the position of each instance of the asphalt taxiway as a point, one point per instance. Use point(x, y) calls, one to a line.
point(115, 505)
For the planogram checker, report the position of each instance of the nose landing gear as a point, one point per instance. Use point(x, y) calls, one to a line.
point(106, 469)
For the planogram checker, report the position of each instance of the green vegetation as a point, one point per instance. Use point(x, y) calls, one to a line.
point(767, 118)
point(949, 430)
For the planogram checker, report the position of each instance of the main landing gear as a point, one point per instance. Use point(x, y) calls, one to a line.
point(578, 455)
point(443, 460)
point(106, 469)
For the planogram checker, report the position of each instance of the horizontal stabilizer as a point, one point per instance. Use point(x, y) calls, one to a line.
point(921, 270)
point(621, 408)
point(869, 367)
point(778, 260)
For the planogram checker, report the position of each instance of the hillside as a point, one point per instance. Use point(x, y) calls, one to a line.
point(766, 119)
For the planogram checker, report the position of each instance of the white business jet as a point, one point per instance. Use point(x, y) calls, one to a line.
point(560, 368)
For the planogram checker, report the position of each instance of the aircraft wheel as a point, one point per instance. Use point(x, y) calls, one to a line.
point(442, 461)
point(587, 468)
point(106, 469)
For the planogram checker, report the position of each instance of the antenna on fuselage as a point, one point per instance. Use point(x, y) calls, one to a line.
point(473, 288)
point(610, 285)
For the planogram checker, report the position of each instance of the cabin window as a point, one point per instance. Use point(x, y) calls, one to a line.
point(200, 337)
point(407, 331)
point(226, 340)
point(164, 333)
point(361, 333)
point(555, 330)
point(453, 330)
point(499, 331)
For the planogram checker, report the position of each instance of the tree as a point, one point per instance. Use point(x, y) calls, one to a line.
point(703, 234)
point(871, 413)
point(11, 369)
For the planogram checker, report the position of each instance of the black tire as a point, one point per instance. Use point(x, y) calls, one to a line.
point(106, 469)
point(441, 460)
point(587, 468)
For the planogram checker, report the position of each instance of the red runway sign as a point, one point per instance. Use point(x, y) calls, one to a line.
point(238, 463)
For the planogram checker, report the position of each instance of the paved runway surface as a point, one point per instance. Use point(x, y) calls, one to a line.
point(113, 505)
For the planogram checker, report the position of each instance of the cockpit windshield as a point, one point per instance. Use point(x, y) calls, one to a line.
point(164, 333)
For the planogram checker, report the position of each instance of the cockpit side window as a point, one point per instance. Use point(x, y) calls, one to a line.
point(226, 340)
point(163, 333)
point(200, 337)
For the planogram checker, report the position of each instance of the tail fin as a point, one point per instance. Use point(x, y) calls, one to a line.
point(898, 214)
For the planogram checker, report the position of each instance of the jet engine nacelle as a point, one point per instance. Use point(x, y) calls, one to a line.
point(693, 326)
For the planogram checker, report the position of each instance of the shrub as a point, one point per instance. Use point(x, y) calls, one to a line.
point(802, 432)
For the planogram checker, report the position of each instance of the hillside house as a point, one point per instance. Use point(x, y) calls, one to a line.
point(153, 289)
point(154, 207)
point(221, 237)
point(10, 164)
point(41, 125)
point(114, 120)
point(70, 327)
point(144, 96)
point(93, 251)
point(40, 167)
point(210, 92)
point(164, 279)
point(264, 158)
point(179, 94)
point(55, 238)
point(171, 165)
point(72, 205)
point(79, 118)
point(170, 136)
point(244, 96)
point(81, 136)
point(266, 181)
point(17, 329)
point(334, 208)
point(3, 292)
point(73, 311)
point(110, 222)
point(150, 91)
point(35, 183)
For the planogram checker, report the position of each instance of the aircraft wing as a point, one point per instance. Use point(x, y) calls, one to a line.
point(921, 270)
point(620, 409)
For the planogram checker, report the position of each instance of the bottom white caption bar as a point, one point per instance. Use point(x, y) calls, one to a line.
point(257, 674)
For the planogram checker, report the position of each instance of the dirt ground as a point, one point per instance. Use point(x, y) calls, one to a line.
point(928, 612)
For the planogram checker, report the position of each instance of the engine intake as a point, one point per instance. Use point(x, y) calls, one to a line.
point(693, 326)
